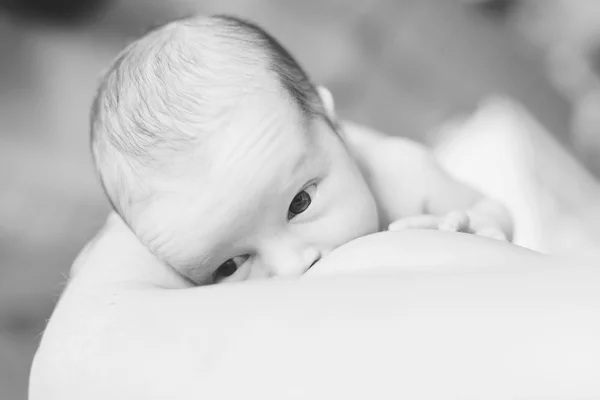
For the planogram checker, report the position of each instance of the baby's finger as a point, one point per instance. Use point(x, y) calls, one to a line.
point(415, 222)
point(492, 233)
point(456, 221)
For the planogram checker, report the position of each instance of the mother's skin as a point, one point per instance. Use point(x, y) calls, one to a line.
point(456, 316)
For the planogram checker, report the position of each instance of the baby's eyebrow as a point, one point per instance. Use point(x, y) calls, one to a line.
point(199, 274)
point(301, 164)
point(297, 169)
point(198, 267)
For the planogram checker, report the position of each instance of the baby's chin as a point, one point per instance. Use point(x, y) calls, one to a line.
point(412, 250)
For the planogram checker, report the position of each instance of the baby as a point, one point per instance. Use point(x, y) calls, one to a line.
point(228, 163)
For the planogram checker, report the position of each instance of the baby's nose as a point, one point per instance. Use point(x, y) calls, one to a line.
point(292, 262)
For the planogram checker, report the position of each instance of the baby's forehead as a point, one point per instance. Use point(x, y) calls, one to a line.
point(243, 186)
point(258, 163)
point(260, 129)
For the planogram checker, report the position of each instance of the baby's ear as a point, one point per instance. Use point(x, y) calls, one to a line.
point(328, 103)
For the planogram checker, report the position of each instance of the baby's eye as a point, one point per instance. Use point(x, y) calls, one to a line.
point(301, 201)
point(228, 268)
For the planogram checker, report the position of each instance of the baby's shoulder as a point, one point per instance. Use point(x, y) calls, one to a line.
point(375, 148)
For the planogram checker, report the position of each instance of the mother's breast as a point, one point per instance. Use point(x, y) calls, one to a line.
point(422, 249)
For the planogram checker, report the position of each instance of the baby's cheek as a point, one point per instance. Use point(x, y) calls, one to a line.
point(353, 221)
point(359, 207)
point(350, 211)
point(365, 214)
point(257, 271)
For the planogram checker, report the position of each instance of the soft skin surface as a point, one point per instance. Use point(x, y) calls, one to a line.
point(417, 250)
point(482, 318)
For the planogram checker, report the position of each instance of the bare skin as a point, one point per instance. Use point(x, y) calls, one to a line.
point(271, 186)
point(401, 314)
point(349, 182)
point(487, 319)
point(440, 315)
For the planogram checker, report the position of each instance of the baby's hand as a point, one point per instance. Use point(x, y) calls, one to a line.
point(455, 221)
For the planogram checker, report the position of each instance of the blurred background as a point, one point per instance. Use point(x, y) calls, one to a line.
point(513, 87)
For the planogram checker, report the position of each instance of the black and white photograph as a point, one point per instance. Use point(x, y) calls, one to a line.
point(299, 199)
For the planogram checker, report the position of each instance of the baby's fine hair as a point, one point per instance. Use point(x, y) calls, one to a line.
point(173, 86)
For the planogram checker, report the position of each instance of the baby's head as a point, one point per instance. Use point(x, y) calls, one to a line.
point(222, 156)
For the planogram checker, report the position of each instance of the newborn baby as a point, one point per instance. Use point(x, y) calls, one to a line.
point(228, 163)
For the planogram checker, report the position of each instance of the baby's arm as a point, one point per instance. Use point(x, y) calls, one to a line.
point(414, 191)
point(451, 205)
